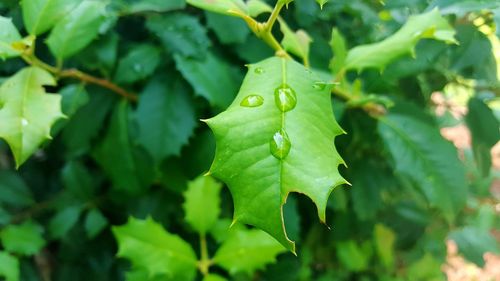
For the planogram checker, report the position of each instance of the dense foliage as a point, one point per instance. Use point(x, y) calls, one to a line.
point(106, 172)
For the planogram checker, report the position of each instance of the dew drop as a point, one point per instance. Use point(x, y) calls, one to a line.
point(259, 70)
point(24, 122)
point(285, 98)
point(252, 101)
point(319, 85)
point(280, 144)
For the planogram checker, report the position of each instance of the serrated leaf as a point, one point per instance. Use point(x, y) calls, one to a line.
point(202, 203)
point(24, 239)
point(296, 42)
point(63, 221)
point(262, 152)
point(27, 112)
point(41, 15)
point(151, 248)
point(474, 242)
point(211, 78)
point(14, 191)
point(9, 267)
point(94, 223)
point(138, 64)
point(380, 54)
point(73, 97)
point(180, 34)
point(485, 133)
point(384, 239)
point(247, 250)
point(226, 7)
point(8, 35)
point(165, 117)
point(435, 168)
point(77, 29)
point(128, 168)
point(339, 49)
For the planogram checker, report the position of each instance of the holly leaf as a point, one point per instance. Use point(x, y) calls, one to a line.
point(41, 15)
point(138, 64)
point(247, 250)
point(9, 267)
point(262, 152)
point(202, 203)
point(24, 239)
point(227, 7)
point(380, 54)
point(8, 36)
point(435, 168)
point(150, 248)
point(77, 29)
point(27, 112)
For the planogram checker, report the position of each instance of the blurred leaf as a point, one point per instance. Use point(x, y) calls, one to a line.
point(247, 251)
point(95, 222)
point(296, 42)
point(14, 191)
point(41, 15)
point(159, 6)
point(180, 34)
point(352, 256)
point(435, 168)
point(24, 239)
point(138, 64)
point(384, 239)
point(485, 131)
point(474, 242)
point(228, 30)
point(213, 277)
point(165, 117)
point(426, 269)
point(27, 111)
point(63, 221)
point(150, 248)
point(73, 96)
point(8, 36)
point(368, 181)
point(202, 203)
point(378, 55)
point(77, 29)
point(100, 55)
point(211, 78)
point(220, 6)
point(9, 267)
point(339, 49)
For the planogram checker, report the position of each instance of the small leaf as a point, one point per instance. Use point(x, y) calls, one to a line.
point(474, 242)
point(246, 251)
point(202, 203)
point(14, 191)
point(165, 117)
point(24, 239)
point(9, 267)
point(95, 222)
point(152, 249)
point(380, 54)
point(28, 112)
point(297, 42)
point(262, 152)
point(138, 64)
point(64, 221)
point(211, 78)
point(73, 97)
point(227, 7)
point(8, 35)
point(41, 15)
point(321, 3)
point(77, 29)
point(384, 244)
point(339, 50)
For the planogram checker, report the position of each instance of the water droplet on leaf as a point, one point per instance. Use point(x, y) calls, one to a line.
point(280, 144)
point(259, 70)
point(285, 98)
point(24, 122)
point(319, 85)
point(252, 101)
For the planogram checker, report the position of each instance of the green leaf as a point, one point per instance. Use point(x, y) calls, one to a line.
point(227, 7)
point(474, 242)
point(95, 222)
point(78, 181)
point(321, 3)
point(138, 64)
point(423, 156)
point(339, 49)
point(426, 268)
point(73, 97)
point(247, 251)
point(64, 221)
point(211, 78)
point(202, 203)
point(214, 277)
point(27, 112)
point(384, 239)
point(296, 42)
point(262, 152)
point(229, 30)
point(159, 6)
point(485, 133)
point(380, 54)
point(14, 191)
point(9, 267)
point(8, 36)
point(165, 117)
point(24, 239)
point(128, 168)
point(41, 15)
point(149, 247)
point(353, 256)
point(180, 34)
point(77, 29)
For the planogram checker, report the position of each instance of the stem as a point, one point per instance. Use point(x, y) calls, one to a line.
point(371, 108)
point(205, 261)
point(274, 16)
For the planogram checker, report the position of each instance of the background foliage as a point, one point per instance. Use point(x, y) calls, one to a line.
point(117, 192)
